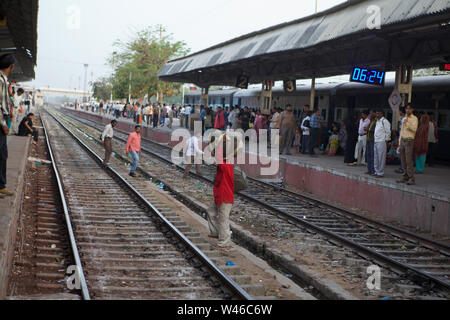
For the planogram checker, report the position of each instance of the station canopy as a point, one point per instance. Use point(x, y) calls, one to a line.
point(18, 35)
point(412, 32)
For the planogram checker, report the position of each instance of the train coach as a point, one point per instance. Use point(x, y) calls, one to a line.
point(336, 100)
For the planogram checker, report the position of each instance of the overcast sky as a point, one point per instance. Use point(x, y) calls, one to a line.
point(66, 43)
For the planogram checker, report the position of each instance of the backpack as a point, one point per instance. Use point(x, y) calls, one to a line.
point(240, 180)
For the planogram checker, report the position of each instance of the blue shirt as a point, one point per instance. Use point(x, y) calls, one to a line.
point(202, 114)
point(315, 121)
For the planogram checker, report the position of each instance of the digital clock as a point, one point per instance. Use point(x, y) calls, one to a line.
point(367, 76)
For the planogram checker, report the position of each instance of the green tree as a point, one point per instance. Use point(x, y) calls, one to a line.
point(141, 58)
point(102, 89)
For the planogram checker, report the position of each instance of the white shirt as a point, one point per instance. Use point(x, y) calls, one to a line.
point(192, 147)
point(382, 130)
point(108, 132)
point(431, 136)
point(274, 123)
point(305, 129)
point(17, 101)
point(187, 111)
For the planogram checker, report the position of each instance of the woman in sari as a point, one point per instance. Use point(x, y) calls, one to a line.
point(421, 143)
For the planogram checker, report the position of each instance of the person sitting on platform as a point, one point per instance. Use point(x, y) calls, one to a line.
point(26, 128)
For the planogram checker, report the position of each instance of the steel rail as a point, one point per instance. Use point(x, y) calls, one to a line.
point(73, 244)
point(225, 279)
point(395, 231)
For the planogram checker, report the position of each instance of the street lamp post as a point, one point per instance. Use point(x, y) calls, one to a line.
point(113, 68)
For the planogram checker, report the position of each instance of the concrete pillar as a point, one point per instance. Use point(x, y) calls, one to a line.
point(403, 83)
point(266, 97)
point(205, 96)
point(313, 94)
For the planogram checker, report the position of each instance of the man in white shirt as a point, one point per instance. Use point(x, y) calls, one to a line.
point(193, 150)
point(107, 136)
point(187, 113)
point(382, 136)
point(306, 134)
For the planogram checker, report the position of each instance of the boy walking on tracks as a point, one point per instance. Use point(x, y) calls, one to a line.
point(133, 147)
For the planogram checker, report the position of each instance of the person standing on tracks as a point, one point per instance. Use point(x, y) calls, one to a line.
point(219, 213)
point(133, 148)
point(193, 151)
point(107, 137)
point(7, 62)
point(410, 125)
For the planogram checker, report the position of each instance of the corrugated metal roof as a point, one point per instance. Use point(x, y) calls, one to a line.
point(343, 20)
point(441, 82)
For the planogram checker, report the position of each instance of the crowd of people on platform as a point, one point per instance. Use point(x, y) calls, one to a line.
point(364, 140)
point(15, 116)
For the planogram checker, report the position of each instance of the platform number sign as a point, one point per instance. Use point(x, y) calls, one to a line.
point(368, 76)
point(242, 82)
point(290, 86)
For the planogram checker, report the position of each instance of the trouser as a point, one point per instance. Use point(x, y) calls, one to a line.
point(163, 121)
point(360, 150)
point(14, 129)
point(155, 121)
point(35, 134)
point(314, 139)
point(108, 149)
point(135, 156)
point(149, 119)
point(288, 136)
point(190, 161)
point(380, 158)
point(420, 163)
point(370, 157)
point(305, 144)
point(186, 118)
point(3, 159)
point(431, 152)
point(406, 154)
point(219, 223)
point(170, 123)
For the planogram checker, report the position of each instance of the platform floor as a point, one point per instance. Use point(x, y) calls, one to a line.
point(9, 207)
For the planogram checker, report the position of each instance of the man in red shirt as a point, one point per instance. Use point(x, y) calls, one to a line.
point(133, 147)
point(219, 214)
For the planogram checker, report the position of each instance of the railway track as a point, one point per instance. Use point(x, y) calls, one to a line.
point(126, 247)
point(423, 261)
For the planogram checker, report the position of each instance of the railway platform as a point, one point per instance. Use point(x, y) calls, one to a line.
point(10, 207)
point(424, 207)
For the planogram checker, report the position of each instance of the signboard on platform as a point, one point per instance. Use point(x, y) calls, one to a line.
point(395, 100)
point(242, 82)
point(368, 76)
point(290, 86)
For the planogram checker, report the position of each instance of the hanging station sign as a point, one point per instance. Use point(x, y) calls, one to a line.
point(368, 76)
point(242, 81)
point(290, 86)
